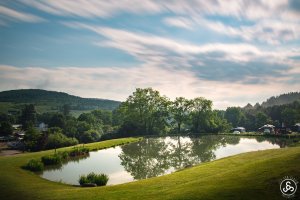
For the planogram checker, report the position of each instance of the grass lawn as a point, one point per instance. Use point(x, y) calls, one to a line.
point(254, 175)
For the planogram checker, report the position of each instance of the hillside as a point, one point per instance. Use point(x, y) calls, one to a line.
point(47, 101)
point(282, 99)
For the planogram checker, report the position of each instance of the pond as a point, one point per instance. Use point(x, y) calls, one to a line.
point(153, 157)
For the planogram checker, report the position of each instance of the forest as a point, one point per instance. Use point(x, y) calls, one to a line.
point(145, 112)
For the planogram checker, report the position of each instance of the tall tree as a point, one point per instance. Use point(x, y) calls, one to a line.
point(180, 111)
point(261, 119)
point(146, 111)
point(200, 113)
point(28, 116)
point(234, 115)
point(6, 128)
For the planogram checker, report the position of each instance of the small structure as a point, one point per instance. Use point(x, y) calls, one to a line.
point(296, 127)
point(42, 127)
point(268, 128)
point(17, 126)
point(19, 135)
point(239, 129)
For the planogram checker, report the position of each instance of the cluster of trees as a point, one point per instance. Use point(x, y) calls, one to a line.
point(253, 117)
point(146, 112)
point(64, 129)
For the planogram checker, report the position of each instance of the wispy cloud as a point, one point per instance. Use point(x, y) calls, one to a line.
point(217, 61)
point(233, 53)
point(12, 14)
point(263, 14)
point(94, 8)
point(181, 22)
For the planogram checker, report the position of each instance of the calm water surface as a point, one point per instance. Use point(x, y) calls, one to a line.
point(156, 156)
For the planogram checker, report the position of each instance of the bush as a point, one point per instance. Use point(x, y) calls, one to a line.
point(34, 165)
point(101, 179)
point(57, 140)
point(54, 159)
point(79, 151)
point(98, 179)
point(90, 136)
point(64, 155)
point(83, 180)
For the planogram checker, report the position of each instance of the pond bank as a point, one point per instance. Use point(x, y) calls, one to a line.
point(254, 175)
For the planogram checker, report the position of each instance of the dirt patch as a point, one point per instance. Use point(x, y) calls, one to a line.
point(9, 152)
point(4, 151)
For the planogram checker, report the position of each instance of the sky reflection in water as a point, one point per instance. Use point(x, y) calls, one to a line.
point(156, 156)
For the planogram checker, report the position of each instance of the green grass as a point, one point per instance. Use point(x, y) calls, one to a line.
point(254, 175)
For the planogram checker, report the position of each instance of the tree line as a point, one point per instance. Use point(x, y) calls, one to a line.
point(145, 112)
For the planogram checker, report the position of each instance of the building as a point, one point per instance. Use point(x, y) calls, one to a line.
point(42, 127)
point(240, 129)
point(268, 128)
point(296, 127)
point(17, 126)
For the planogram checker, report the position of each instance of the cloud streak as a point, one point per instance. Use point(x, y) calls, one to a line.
point(19, 16)
point(239, 62)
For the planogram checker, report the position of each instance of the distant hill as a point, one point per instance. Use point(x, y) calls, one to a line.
point(282, 99)
point(46, 101)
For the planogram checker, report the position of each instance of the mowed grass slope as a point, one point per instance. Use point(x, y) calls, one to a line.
point(254, 175)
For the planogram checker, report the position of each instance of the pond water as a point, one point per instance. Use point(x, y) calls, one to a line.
point(156, 156)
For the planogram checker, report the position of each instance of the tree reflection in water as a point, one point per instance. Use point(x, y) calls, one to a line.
point(157, 156)
point(145, 159)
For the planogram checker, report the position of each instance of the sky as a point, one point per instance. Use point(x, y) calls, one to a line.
point(231, 52)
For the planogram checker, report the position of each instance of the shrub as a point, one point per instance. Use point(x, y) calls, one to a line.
point(52, 159)
point(101, 179)
point(57, 139)
point(34, 165)
point(83, 180)
point(79, 151)
point(64, 155)
point(98, 179)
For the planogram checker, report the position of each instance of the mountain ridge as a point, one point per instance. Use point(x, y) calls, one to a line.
point(53, 100)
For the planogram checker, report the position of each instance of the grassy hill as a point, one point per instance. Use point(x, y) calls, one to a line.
point(253, 175)
point(48, 101)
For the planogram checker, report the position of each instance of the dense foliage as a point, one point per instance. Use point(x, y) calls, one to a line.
point(34, 165)
point(146, 112)
point(254, 117)
point(282, 99)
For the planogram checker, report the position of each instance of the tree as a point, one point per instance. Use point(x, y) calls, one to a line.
point(5, 128)
point(90, 136)
point(57, 120)
point(32, 139)
point(57, 139)
point(180, 111)
point(146, 111)
point(66, 109)
point(89, 118)
point(234, 115)
point(28, 116)
point(261, 119)
point(103, 115)
point(290, 116)
point(200, 113)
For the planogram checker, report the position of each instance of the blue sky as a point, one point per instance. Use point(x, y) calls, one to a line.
point(232, 53)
